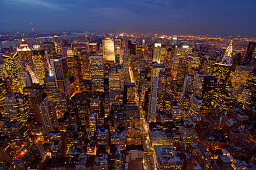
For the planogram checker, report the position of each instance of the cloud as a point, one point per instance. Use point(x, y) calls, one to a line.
point(42, 3)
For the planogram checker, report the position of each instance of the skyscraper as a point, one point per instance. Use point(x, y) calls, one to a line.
point(157, 53)
point(153, 100)
point(16, 107)
point(132, 46)
point(126, 74)
point(108, 49)
point(40, 65)
point(114, 81)
point(249, 53)
point(14, 71)
point(60, 75)
point(97, 73)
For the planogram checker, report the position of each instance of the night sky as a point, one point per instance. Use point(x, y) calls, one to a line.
point(225, 17)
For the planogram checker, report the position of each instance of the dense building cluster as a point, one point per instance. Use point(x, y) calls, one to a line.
point(127, 101)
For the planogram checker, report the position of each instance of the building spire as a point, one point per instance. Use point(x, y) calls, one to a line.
point(227, 58)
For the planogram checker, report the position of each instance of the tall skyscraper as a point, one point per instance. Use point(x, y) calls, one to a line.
point(227, 58)
point(161, 89)
point(222, 73)
point(157, 53)
point(152, 112)
point(183, 70)
point(108, 49)
point(60, 75)
point(126, 74)
point(97, 73)
point(14, 72)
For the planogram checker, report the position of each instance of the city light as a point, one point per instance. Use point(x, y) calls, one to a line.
point(172, 98)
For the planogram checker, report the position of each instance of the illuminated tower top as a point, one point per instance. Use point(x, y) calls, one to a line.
point(227, 58)
point(108, 49)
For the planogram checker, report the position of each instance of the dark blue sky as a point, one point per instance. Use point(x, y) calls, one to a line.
point(227, 17)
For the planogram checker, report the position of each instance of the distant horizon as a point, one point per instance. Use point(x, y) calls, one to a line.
point(101, 32)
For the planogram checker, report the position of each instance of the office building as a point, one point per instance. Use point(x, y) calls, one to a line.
point(97, 73)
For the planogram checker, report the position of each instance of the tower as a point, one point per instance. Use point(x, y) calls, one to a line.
point(157, 53)
point(153, 100)
point(108, 49)
point(97, 73)
point(126, 74)
point(227, 58)
point(60, 75)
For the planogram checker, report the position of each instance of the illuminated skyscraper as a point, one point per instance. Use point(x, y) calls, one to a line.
point(16, 107)
point(157, 53)
point(14, 72)
point(97, 73)
point(85, 65)
point(208, 93)
point(54, 95)
point(40, 65)
point(108, 49)
point(227, 58)
point(25, 55)
point(74, 73)
point(60, 75)
point(2, 95)
point(222, 73)
point(114, 81)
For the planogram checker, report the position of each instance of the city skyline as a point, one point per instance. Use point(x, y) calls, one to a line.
point(127, 85)
point(177, 17)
